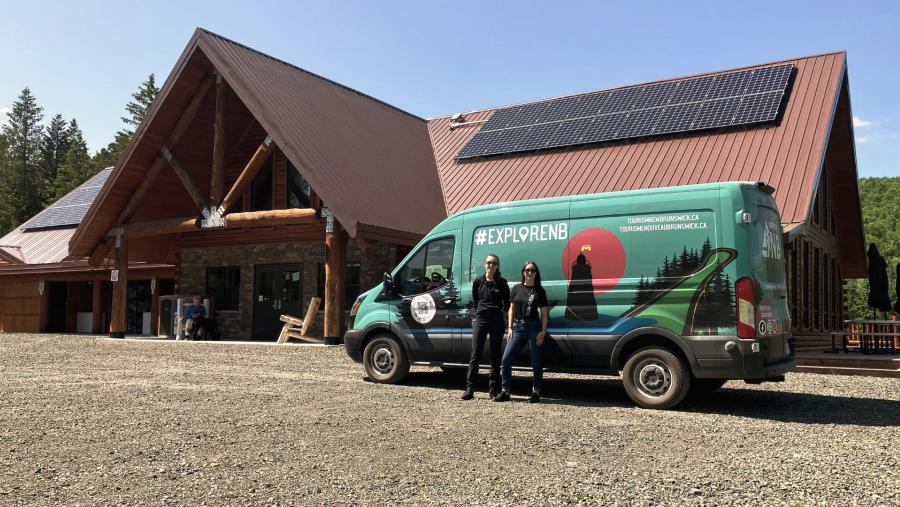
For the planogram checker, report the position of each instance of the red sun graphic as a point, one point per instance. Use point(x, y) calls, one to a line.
point(604, 258)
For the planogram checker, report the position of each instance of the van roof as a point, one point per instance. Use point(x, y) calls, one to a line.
point(604, 195)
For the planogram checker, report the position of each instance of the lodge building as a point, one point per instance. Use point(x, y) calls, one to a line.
point(305, 187)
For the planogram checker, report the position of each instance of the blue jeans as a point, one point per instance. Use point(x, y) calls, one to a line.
point(523, 332)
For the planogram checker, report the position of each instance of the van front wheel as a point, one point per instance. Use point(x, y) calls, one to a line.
point(656, 378)
point(385, 360)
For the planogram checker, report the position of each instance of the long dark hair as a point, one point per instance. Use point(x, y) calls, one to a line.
point(537, 273)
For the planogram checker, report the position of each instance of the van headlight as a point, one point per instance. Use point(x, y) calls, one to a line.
point(356, 305)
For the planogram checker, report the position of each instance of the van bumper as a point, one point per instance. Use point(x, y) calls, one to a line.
point(733, 358)
point(352, 339)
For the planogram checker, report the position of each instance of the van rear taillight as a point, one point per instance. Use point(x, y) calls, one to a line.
point(743, 290)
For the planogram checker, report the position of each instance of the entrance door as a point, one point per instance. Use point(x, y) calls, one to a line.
point(277, 291)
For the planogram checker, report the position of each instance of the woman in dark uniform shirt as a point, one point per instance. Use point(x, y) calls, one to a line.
point(528, 316)
point(490, 296)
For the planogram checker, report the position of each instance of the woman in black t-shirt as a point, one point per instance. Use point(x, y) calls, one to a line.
point(528, 316)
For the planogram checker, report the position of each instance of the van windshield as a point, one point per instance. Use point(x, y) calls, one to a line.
point(429, 268)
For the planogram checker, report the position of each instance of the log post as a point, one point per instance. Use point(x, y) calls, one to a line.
point(335, 280)
point(44, 293)
point(217, 180)
point(97, 306)
point(154, 306)
point(120, 290)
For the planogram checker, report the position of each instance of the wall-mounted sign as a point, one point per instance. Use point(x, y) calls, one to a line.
point(211, 218)
point(114, 275)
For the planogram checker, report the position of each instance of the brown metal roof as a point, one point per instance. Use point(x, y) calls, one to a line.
point(786, 156)
point(370, 162)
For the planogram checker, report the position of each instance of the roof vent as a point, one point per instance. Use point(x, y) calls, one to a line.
point(457, 120)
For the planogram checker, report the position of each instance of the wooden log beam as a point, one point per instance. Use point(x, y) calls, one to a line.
point(97, 306)
point(120, 291)
point(174, 136)
point(233, 221)
point(99, 253)
point(247, 175)
point(185, 178)
point(217, 179)
point(335, 282)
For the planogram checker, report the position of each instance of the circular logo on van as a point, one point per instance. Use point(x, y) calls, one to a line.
point(422, 308)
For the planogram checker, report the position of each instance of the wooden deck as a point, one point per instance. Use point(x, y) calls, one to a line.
point(822, 360)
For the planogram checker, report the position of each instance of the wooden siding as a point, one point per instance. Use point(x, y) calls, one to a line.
point(20, 307)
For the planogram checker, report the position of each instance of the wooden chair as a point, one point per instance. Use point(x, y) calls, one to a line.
point(298, 328)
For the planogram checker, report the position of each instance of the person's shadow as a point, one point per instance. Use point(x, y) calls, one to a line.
point(732, 399)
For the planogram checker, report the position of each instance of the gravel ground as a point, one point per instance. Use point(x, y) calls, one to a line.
point(98, 421)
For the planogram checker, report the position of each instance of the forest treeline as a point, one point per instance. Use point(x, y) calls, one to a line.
point(881, 220)
point(42, 158)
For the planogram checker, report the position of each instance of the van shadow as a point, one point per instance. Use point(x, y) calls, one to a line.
point(782, 406)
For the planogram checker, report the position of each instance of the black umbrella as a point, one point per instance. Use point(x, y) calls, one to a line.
point(878, 300)
point(897, 289)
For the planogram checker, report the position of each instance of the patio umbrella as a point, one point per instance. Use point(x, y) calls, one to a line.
point(897, 289)
point(878, 298)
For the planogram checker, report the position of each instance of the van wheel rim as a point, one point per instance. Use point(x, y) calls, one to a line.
point(653, 378)
point(383, 360)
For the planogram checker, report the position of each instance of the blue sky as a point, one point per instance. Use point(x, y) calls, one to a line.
point(84, 59)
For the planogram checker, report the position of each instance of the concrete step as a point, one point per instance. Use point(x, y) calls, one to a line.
point(850, 360)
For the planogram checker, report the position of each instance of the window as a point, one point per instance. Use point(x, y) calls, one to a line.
point(826, 294)
point(223, 284)
point(299, 193)
point(792, 282)
point(261, 189)
point(351, 290)
point(428, 269)
point(816, 302)
point(805, 281)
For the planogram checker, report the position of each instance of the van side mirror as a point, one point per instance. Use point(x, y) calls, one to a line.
point(389, 288)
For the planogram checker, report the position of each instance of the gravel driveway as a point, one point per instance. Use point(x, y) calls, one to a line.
point(98, 421)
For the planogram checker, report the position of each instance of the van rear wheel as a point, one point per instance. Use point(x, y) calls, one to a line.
point(654, 377)
point(385, 360)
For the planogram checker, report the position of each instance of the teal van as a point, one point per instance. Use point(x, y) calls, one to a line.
point(678, 288)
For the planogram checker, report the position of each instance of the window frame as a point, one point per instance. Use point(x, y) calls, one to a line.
point(412, 254)
point(220, 303)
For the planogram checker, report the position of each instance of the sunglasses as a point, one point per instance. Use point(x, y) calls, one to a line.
point(490, 263)
point(529, 270)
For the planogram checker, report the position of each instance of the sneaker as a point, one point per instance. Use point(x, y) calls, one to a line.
point(468, 395)
point(493, 394)
point(503, 396)
point(535, 398)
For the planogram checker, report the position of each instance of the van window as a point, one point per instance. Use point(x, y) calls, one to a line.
point(767, 253)
point(428, 269)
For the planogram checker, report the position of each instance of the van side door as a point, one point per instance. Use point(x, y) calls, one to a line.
point(428, 298)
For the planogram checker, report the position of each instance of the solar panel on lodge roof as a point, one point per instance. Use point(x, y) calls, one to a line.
point(727, 99)
point(71, 208)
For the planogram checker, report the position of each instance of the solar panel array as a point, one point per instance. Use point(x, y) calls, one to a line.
point(708, 102)
point(71, 208)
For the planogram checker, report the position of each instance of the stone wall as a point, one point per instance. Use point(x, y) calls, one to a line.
point(238, 325)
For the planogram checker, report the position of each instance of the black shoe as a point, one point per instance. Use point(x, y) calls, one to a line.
point(501, 397)
point(468, 395)
point(535, 398)
point(493, 394)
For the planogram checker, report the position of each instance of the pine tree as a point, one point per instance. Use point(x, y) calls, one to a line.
point(726, 295)
point(684, 262)
point(75, 168)
point(21, 181)
point(706, 249)
point(642, 293)
point(138, 107)
point(53, 148)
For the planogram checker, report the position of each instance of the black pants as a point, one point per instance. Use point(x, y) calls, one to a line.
point(482, 326)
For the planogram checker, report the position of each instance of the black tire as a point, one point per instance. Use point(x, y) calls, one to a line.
point(701, 387)
point(385, 360)
point(654, 377)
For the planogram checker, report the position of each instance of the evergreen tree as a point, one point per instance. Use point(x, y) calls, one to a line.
point(21, 179)
point(75, 168)
point(53, 149)
point(727, 297)
point(138, 107)
point(642, 293)
point(684, 262)
point(706, 249)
